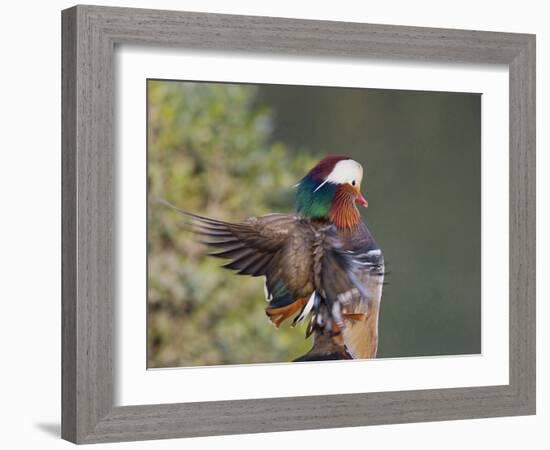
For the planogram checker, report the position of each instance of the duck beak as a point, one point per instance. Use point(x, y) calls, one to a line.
point(361, 200)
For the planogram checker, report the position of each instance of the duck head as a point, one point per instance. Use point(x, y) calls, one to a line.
point(330, 191)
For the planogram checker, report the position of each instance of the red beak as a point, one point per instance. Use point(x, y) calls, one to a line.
point(361, 200)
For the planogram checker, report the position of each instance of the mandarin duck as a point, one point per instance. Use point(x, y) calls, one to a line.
point(321, 265)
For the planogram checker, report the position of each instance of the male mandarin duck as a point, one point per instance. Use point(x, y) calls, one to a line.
point(320, 264)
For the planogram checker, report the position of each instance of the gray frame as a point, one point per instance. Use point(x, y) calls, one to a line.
point(90, 34)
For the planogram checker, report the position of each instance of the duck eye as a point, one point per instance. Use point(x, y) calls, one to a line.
point(353, 183)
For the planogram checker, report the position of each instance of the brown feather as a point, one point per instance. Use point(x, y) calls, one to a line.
point(279, 315)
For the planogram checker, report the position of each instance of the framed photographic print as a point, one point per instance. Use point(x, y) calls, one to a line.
point(278, 224)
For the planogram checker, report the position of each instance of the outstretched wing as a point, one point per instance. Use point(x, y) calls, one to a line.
point(250, 245)
point(276, 246)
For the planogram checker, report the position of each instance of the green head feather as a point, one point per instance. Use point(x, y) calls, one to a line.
point(312, 203)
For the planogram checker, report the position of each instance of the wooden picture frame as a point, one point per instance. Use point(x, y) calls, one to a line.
point(90, 34)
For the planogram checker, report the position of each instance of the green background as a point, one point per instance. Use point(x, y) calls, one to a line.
point(233, 151)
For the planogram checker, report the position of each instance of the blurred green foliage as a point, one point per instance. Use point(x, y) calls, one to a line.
point(209, 152)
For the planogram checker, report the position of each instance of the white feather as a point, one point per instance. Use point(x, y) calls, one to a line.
point(307, 308)
point(268, 296)
point(321, 185)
